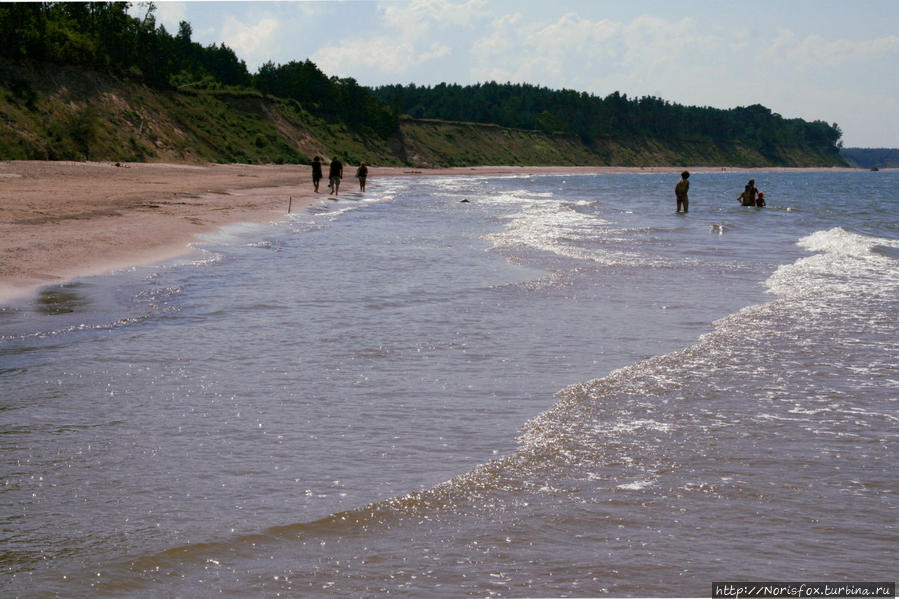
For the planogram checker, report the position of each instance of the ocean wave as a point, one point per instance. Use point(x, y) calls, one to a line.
point(563, 230)
point(631, 436)
point(844, 263)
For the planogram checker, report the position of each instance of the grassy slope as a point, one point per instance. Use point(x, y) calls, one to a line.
point(69, 114)
point(871, 157)
point(443, 143)
point(55, 113)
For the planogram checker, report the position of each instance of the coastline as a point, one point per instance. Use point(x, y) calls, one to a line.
point(63, 220)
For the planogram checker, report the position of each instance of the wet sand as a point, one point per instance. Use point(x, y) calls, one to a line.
point(61, 220)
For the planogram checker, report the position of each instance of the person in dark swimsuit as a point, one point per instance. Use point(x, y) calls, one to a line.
point(747, 198)
point(335, 174)
point(362, 173)
point(316, 172)
point(680, 191)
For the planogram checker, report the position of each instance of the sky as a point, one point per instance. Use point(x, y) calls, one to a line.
point(836, 61)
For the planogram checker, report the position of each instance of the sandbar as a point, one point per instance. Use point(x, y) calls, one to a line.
point(63, 220)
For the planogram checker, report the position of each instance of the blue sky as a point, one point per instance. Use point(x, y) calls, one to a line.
point(828, 60)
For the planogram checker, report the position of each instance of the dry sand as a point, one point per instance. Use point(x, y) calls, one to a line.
point(62, 220)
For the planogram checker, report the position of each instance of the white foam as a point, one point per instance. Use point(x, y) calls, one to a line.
point(233, 233)
point(636, 485)
point(555, 227)
point(633, 426)
point(845, 263)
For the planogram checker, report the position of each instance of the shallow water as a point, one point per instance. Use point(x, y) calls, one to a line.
point(557, 388)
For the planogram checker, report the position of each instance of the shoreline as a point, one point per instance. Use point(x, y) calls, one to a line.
point(64, 220)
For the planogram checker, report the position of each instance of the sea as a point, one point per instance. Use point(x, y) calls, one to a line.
point(523, 385)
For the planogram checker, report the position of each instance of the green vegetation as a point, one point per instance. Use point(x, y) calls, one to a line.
point(616, 117)
point(432, 142)
point(871, 157)
point(341, 100)
point(90, 81)
point(103, 37)
point(441, 143)
point(66, 113)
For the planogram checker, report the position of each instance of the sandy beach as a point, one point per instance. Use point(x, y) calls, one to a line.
point(62, 220)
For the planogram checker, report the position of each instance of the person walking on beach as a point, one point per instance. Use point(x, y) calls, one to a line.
point(361, 174)
point(747, 198)
point(335, 174)
point(680, 192)
point(316, 172)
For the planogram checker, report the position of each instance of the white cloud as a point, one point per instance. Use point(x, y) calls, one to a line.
point(518, 51)
point(653, 43)
point(593, 55)
point(833, 79)
point(502, 39)
point(408, 39)
point(814, 50)
point(170, 15)
point(382, 54)
point(252, 43)
point(425, 13)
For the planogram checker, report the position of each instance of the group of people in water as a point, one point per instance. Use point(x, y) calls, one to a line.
point(335, 174)
point(751, 196)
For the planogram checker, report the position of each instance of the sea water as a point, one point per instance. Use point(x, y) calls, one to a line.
point(470, 386)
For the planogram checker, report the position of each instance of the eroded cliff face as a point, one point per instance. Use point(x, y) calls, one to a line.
point(61, 113)
point(441, 143)
point(64, 113)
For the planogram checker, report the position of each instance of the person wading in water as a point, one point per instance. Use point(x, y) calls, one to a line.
point(747, 198)
point(680, 191)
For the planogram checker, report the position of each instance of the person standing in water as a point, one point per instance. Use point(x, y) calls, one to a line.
point(316, 172)
point(680, 192)
point(335, 174)
point(747, 198)
point(362, 173)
